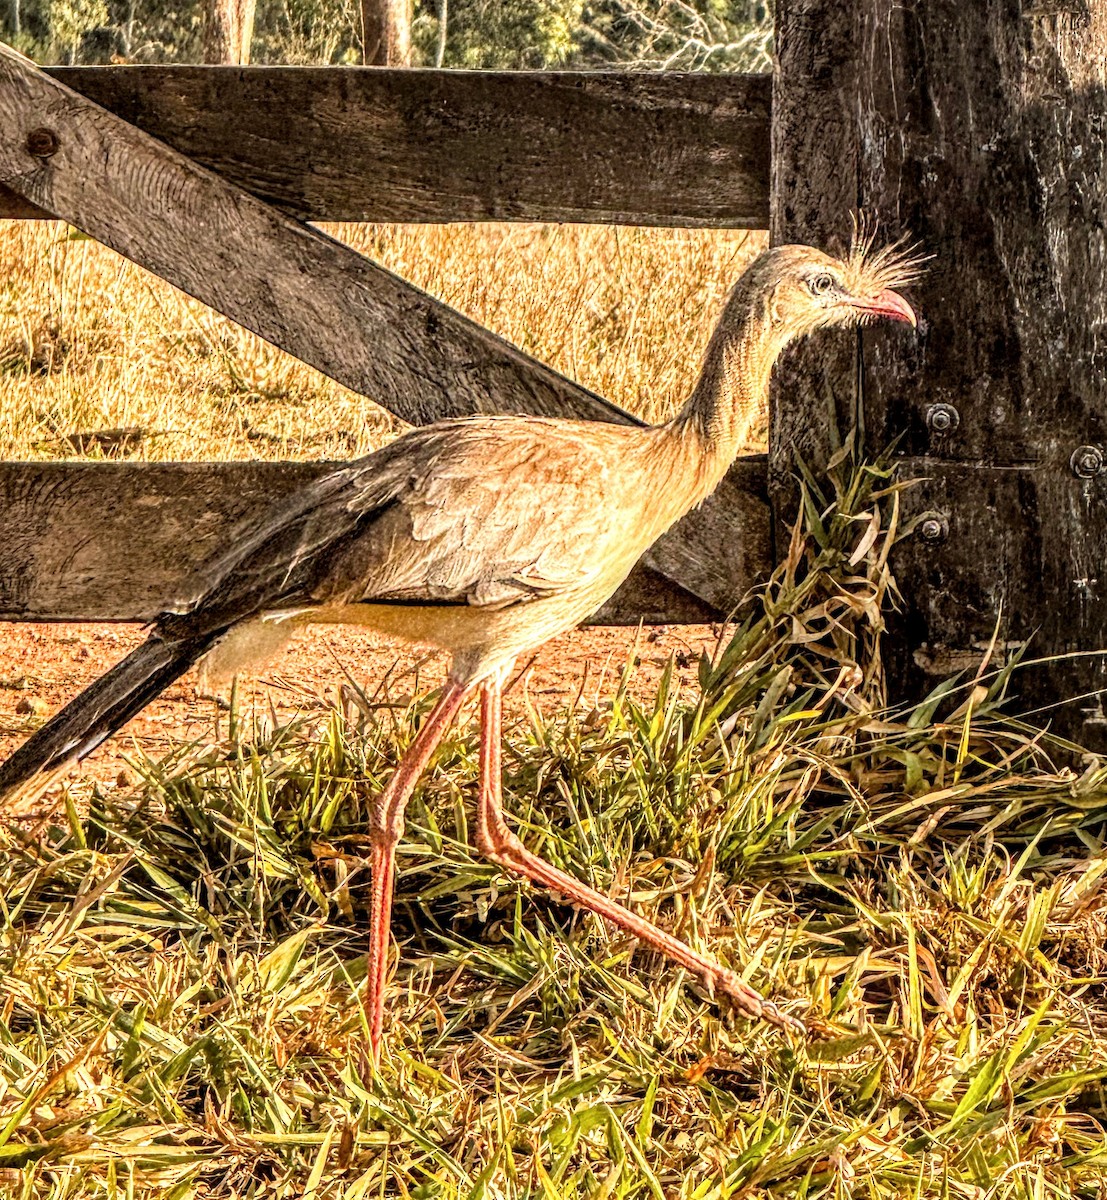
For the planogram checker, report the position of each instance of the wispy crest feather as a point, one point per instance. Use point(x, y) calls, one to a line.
point(894, 265)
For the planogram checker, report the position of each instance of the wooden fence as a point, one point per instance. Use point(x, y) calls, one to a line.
point(979, 130)
point(206, 175)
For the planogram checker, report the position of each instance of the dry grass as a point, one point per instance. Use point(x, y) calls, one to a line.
point(925, 886)
point(89, 342)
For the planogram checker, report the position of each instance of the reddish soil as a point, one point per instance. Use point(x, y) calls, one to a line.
point(42, 666)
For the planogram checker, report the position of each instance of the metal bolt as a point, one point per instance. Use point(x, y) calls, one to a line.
point(42, 143)
point(933, 529)
point(1086, 462)
point(942, 418)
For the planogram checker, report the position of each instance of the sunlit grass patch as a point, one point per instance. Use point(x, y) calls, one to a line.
point(89, 341)
point(179, 966)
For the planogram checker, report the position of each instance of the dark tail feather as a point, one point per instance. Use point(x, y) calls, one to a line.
point(101, 709)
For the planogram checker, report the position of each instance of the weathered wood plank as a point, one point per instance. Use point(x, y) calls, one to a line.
point(293, 285)
point(995, 161)
point(296, 287)
point(996, 572)
point(357, 144)
point(108, 541)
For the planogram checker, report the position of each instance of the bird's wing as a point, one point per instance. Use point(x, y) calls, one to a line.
point(270, 560)
point(498, 513)
point(483, 511)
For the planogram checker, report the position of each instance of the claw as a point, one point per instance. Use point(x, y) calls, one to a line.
point(752, 1004)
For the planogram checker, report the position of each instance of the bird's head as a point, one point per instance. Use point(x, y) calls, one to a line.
point(785, 293)
point(800, 289)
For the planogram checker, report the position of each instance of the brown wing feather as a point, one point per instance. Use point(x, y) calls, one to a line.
point(484, 511)
point(496, 515)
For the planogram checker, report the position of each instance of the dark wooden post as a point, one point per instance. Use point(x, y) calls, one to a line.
point(386, 26)
point(978, 128)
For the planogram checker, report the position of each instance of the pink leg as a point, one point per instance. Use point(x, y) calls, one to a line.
point(386, 825)
point(495, 840)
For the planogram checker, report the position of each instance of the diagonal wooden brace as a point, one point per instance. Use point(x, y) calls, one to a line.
point(319, 300)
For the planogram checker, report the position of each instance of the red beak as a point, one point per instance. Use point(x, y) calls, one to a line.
point(891, 305)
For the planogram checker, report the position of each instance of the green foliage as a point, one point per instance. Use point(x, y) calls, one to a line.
point(479, 34)
point(697, 35)
point(102, 31)
point(712, 35)
point(54, 30)
point(69, 20)
point(179, 967)
point(320, 32)
point(157, 30)
point(490, 34)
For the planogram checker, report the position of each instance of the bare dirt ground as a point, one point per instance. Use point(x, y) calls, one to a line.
point(43, 666)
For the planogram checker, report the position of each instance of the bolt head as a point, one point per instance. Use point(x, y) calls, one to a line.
point(1086, 462)
point(932, 529)
point(942, 418)
point(42, 143)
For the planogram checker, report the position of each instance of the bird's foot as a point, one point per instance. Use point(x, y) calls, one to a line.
point(750, 1003)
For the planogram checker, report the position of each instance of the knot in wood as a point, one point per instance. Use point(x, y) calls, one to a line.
point(42, 143)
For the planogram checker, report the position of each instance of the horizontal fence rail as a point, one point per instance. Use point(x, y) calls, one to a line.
point(366, 144)
point(111, 541)
point(327, 305)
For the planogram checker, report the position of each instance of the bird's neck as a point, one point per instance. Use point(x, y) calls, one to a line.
point(718, 418)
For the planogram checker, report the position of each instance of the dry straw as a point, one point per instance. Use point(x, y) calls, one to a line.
point(90, 342)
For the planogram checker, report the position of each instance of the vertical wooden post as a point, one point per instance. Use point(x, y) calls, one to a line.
point(386, 26)
point(978, 128)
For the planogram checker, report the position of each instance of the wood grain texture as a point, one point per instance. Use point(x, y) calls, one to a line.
point(814, 192)
point(300, 289)
point(356, 144)
point(1002, 572)
point(296, 287)
point(109, 541)
point(979, 130)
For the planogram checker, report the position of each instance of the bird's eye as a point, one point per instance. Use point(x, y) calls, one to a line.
point(821, 284)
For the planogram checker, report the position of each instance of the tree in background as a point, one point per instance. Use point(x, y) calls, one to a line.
point(713, 35)
point(228, 31)
point(386, 32)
